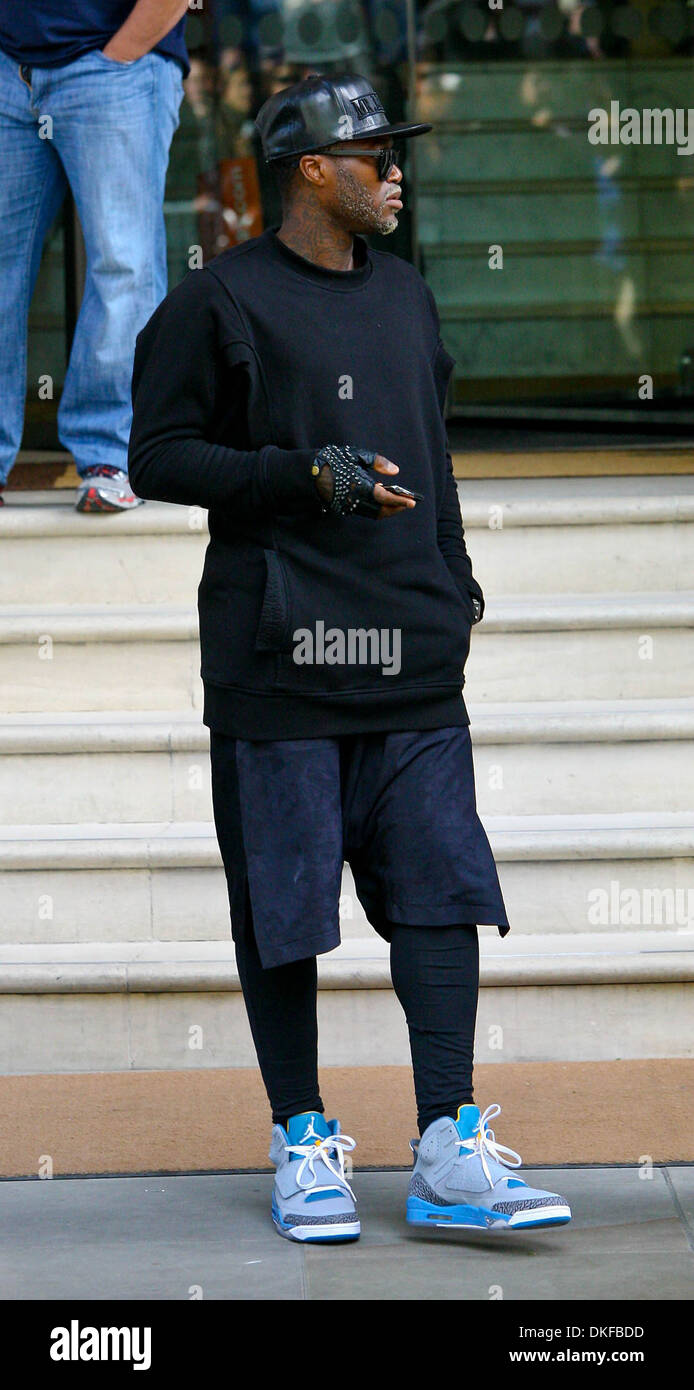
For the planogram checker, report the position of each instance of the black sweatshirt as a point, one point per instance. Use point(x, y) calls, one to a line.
point(247, 368)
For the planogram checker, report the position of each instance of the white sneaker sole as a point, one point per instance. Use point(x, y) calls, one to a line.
point(336, 1231)
point(542, 1216)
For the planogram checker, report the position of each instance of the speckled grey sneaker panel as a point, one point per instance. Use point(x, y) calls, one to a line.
point(297, 1218)
point(527, 1204)
point(420, 1188)
point(444, 1175)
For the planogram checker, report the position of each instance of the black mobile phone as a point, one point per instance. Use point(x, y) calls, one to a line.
point(403, 491)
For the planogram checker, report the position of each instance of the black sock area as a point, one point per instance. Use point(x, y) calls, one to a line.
point(427, 1117)
point(283, 1120)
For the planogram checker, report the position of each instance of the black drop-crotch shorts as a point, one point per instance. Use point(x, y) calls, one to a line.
point(399, 807)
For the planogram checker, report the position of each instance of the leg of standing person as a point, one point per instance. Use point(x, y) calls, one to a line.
point(274, 809)
point(112, 125)
point(282, 1008)
point(424, 871)
point(461, 1174)
point(435, 973)
point(426, 874)
point(32, 188)
point(281, 1002)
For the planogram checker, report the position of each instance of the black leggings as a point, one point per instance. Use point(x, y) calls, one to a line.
point(435, 973)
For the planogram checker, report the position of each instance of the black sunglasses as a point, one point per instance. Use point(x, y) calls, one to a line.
point(386, 157)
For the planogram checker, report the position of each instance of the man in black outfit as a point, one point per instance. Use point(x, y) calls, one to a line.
point(333, 648)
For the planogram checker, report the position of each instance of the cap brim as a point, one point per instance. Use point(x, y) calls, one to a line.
point(400, 128)
point(403, 129)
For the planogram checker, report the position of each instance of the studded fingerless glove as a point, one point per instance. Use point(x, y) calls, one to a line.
point(343, 484)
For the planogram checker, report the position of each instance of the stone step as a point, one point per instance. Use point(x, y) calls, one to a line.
point(151, 555)
point(144, 882)
point(118, 1007)
point(581, 756)
point(146, 656)
point(565, 756)
point(580, 535)
point(525, 535)
point(581, 646)
point(97, 657)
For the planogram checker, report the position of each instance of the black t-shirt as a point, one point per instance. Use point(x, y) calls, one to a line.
point(245, 370)
point(51, 33)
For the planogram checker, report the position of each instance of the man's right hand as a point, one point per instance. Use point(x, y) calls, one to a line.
point(357, 491)
point(391, 502)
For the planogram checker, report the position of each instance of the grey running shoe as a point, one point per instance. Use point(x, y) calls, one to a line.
point(106, 489)
point(460, 1180)
point(311, 1198)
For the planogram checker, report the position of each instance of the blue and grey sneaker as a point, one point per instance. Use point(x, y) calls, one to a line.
point(311, 1198)
point(459, 1180)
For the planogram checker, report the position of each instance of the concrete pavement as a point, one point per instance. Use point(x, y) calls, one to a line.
point(210, 1236)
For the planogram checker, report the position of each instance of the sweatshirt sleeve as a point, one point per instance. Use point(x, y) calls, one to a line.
point(449, 528)
point(182, 380)
point(451, 539)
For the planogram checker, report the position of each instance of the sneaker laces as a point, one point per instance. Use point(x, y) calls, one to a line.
point(482, 1142)
point(322, 1149)
point(104, 470)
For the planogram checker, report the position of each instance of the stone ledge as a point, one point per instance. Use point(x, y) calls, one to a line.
point(30, 515)
point(21, 624)
point(358, 964)
point(542, 721)
point(184, 844)
point(25, 518)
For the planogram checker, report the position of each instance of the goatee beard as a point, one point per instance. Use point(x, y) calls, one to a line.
point(356, 203)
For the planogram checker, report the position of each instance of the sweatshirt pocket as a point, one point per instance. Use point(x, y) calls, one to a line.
point(465, 603)
point(274, 626)
point(356, 627)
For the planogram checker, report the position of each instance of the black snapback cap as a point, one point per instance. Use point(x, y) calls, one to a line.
point(322, 110)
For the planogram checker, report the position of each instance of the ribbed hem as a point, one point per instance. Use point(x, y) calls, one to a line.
point(269, 715)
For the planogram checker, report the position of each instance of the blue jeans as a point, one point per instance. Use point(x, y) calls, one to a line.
point(108, 138)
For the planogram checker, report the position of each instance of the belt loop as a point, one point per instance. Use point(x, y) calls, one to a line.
point(25, 74)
